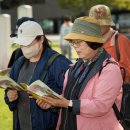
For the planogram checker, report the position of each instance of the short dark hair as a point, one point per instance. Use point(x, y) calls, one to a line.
point(67, 18)
point(94, 45)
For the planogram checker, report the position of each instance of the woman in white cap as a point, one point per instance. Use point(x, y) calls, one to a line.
point(18, 52)
point(29, 68)
point(91, 85)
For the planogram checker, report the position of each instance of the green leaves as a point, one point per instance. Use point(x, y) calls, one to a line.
point(86, 4)
point(71, 3)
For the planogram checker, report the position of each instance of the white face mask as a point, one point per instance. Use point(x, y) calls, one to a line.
point(31, 51)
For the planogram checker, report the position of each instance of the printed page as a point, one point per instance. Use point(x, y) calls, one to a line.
point(7, 82)
point(35, 95)
point(40, 89)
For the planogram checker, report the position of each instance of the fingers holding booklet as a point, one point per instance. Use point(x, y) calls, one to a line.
point(12, 95)
point(37, 89)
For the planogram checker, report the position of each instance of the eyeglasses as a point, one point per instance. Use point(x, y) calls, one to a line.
point(76, 43)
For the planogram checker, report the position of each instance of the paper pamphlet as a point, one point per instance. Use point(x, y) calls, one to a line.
point(8, 83)
point(38, 89)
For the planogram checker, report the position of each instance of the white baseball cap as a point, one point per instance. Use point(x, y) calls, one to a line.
point(27, 32)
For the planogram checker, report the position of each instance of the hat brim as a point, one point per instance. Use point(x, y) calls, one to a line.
point(76, 36)
point(24, 41)
point(106, 22)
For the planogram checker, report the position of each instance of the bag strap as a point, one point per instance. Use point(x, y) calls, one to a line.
point(117, 48)
point(107, 62)
point(48, 64)
point(117, 113)
point(118, 55)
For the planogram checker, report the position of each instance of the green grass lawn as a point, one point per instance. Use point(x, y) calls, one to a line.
point(5, 114)
point(56, 47)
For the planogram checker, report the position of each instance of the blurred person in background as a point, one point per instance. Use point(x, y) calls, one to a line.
point(18, 52)
point(91, 85)
point(113, 38)
point(66, 27)
point(27, 115)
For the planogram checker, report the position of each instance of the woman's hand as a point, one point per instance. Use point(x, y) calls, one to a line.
point(12, 95)
point(42, 104)
point(54, 102)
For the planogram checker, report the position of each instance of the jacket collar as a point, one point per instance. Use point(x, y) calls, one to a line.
point(96, 68)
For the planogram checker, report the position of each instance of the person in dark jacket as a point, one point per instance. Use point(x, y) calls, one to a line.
point(18, 52)
point(29, 68)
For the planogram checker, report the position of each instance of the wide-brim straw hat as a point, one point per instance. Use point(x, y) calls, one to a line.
point(86, 29)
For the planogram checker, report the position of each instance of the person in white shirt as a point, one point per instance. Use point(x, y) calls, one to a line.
point(64, 30)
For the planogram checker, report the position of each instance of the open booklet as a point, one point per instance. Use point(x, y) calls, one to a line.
point(38, 89)
point(8, 83)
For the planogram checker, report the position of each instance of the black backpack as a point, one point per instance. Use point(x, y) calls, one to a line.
point(124, 114)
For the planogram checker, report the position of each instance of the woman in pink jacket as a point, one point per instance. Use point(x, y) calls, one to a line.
point(91, 85)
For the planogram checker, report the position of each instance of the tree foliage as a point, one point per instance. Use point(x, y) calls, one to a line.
point(86, 4)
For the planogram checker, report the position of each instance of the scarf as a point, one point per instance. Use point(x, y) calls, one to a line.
point(84, 68)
